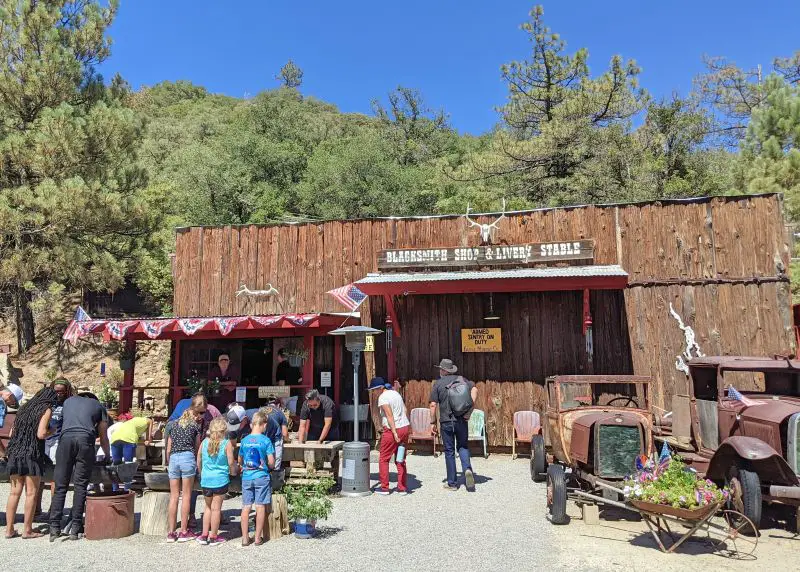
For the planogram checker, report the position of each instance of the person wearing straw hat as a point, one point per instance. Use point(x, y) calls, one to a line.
point(453, 419)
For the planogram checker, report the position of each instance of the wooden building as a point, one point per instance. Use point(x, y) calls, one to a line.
point(550, 278)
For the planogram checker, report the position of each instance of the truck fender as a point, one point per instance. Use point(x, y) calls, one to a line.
point(754, 453)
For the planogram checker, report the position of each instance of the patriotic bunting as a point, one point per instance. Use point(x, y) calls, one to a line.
point(191, 326)
point(266, 321)
point(300, 319)
point(153, 328)
point(117, 330)
point(226, 325)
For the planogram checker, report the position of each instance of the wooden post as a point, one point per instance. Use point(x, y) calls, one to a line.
point(155, 505)
point(126, 390)
point(176, 375)
point(337, 368)
point(308, 365)
point(278, 518)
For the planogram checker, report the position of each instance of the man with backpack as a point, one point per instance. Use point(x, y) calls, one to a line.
point(455, 396)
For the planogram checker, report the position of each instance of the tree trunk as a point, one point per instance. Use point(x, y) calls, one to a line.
point(26, 336)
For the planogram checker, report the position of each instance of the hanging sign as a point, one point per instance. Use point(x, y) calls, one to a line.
point(493, 255)
point(370, 345)
point(475, 340)
point(324, 379)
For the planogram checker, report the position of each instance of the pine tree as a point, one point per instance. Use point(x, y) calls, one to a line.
point(72, 211)
point(771, 150)
point(291, 75)
point(558, 116)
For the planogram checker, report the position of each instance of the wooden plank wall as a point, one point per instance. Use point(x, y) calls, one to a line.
point(720, 262)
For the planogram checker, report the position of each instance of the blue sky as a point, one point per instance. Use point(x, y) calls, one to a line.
point(354, 51)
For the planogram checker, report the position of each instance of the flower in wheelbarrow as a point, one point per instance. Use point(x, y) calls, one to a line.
point(627, 490)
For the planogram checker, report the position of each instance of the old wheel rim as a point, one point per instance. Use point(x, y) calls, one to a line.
point(727, 534)
point(736, 501)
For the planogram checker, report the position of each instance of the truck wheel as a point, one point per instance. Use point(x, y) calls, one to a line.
point(746, 496)
point(538, 459)
point(557, 494)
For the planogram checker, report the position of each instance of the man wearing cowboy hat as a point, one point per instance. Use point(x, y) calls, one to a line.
point(454, 426)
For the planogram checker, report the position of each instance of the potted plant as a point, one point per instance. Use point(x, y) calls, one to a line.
point(308, 504)
point(126, 359)
point(108, 396)
point(296, 355)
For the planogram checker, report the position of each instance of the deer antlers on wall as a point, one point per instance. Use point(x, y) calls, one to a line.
point(486, 229)
point(243, 289)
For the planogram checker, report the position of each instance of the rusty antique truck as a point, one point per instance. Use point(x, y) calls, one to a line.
point(596, 427)
point(740, 425)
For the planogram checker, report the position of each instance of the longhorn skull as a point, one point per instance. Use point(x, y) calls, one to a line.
point(486, 229)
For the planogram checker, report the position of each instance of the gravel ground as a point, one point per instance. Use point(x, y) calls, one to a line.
point(499, 527)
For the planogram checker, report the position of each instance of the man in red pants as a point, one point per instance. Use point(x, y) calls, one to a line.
point(394, 435)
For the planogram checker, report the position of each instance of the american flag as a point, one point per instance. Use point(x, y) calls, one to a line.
point(664, 458)
point(73, 331)
point(735, 395)
point(349, 296)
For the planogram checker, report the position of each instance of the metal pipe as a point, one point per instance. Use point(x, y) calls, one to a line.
point(602, 500)
point(785, 492)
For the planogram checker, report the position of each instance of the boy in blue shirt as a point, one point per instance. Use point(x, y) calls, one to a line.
point(256, 458)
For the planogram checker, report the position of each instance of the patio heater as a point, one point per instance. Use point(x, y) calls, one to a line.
point(355, 455)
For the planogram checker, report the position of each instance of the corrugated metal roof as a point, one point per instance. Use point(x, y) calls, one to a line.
point(547, 272)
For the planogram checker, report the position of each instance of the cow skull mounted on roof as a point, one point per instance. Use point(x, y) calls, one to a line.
point(486, 229)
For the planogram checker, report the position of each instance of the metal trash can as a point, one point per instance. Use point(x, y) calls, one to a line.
point(355, 470)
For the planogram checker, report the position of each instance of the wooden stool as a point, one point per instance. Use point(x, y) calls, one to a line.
point(278, 518)
point(155, 509)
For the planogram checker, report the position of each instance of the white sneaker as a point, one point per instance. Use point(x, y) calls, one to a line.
point(402, 493)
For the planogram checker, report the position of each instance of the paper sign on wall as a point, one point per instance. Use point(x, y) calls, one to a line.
point(475, 340)
point(370, 345)
point(241, 394)
point(324, 379)
point(277, 390)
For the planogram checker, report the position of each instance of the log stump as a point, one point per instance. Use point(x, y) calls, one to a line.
point(278, 518)
point(155, 512)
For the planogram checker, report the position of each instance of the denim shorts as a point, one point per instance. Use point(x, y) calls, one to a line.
point(256, 491)
point(182, 465)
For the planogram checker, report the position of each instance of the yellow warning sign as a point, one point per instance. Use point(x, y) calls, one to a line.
point(481, 340)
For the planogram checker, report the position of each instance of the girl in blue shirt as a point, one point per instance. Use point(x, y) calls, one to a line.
point(216, 464)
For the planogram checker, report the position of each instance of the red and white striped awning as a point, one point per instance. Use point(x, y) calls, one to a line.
point(215, 326)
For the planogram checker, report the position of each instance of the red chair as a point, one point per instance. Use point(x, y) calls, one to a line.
point(421, 428)
point(526, 425)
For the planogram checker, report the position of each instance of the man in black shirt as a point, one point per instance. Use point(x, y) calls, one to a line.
point(285, 374)
point(455, 428)
point(83, 420)
point(319, 418)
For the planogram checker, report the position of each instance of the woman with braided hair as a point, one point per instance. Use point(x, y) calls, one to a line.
point(26, 458)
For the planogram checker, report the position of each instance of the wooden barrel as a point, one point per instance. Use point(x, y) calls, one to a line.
point(155, 507)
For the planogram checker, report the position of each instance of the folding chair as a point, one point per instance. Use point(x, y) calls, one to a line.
point(477, 429)
point(526, 425)
point(421, 429)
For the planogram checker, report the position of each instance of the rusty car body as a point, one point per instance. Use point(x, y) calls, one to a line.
point(596, 427)
point(748, 438)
